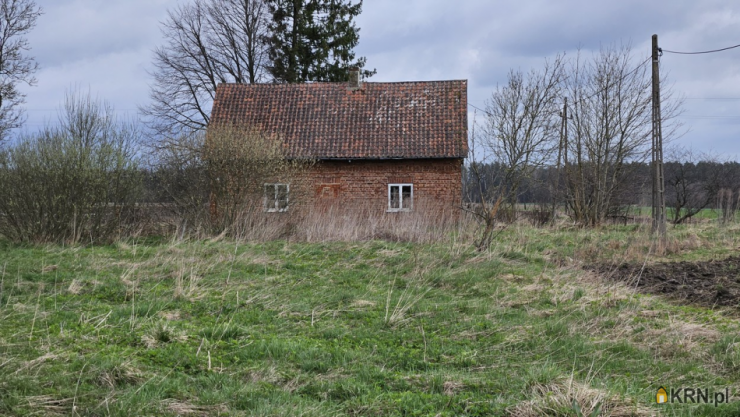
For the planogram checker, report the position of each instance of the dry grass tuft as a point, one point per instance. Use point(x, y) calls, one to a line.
point(677, 338)
point(23, 308)
point(75, 287)
point(187, 285)
point(125, 373)
point(170, 315)
point(37, 362)
point(160, 334)
point(389, 253)
point(50, 406)
point(695, 332)
point(123, 246)
point(684, 244)
point(363, 303)
point(269, 375)
point(452, 387)
point(650, 313)
point(665, 335)
point(218, 238)
point(414, 292)
point(558, 398)
point(149, 341)
point(186, 408)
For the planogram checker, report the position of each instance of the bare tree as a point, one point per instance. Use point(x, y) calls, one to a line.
point(520, 129)
point(693, 181)
point(610, 127)
point(207, 42)
point(17, 18)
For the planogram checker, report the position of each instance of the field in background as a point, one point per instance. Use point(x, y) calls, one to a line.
point(217, 327)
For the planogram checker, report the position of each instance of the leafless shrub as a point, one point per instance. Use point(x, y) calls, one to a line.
point(484, 194)
point(540, 216)
point(72, 182)
point(693, 181)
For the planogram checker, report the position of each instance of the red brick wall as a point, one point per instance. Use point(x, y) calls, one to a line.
point(362, 184)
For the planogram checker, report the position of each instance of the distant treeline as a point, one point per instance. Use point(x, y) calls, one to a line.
point(688, 185)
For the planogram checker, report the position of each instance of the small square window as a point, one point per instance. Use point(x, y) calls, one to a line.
point(276, 197)
point(400, 197)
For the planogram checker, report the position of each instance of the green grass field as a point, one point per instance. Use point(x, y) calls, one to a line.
point(374, 328)
point(702, 215)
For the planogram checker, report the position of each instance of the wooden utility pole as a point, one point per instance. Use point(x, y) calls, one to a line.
point(564, 133)
point(562, 153)
point(657, 161)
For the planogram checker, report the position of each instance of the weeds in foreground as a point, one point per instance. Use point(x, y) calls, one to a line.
point(370, 328)
point(414, 291)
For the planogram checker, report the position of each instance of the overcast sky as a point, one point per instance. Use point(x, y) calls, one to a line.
point(106, 46)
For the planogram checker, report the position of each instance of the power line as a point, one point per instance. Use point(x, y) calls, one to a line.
point(477, 108)
point(700, 52)
point(710, 117)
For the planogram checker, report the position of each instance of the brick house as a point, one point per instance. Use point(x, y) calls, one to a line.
point(382, 147)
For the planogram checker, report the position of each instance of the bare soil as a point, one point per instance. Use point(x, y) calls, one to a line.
point(714, 283)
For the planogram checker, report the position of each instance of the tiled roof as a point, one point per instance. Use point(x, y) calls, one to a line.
point(330, 121)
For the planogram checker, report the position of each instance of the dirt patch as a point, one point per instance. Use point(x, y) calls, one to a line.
point(710, 283)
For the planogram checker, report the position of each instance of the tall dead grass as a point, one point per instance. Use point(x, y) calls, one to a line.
point(420, 226)
point(336, 223)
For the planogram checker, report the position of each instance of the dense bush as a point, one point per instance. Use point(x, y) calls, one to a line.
point(219, 183)
point(77, 181)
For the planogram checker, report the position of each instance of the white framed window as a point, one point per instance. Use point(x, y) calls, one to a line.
point(276, 197)
point(400, 197)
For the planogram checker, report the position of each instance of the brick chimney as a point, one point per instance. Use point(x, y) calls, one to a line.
point(355, 79)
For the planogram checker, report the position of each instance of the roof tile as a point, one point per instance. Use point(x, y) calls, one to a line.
point(426, 119)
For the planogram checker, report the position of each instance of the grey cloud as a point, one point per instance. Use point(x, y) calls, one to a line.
point(106, 46)
point(77, 30)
